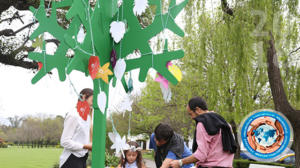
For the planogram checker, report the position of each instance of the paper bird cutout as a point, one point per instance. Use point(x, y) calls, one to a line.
point(117, 30)
point(167, 94)
point(103, 73)
point(162, 80)
point(176, 72)
point(140, 7)
point(38, 43)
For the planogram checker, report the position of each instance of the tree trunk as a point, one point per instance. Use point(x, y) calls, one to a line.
point(279, 96)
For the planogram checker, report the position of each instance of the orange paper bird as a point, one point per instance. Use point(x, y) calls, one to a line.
point(103, 72)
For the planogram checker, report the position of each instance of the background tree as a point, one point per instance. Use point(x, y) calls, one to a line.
point(235, 62)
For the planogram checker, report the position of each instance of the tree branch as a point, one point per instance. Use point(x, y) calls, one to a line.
point(226, 8)
point(11, 60)
point(10, 32)
point(18, 4)
point(294, 51)
point(279, 96)
point(15, 16)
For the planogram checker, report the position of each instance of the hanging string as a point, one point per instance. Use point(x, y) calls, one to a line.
point(70, 81)
point(129, 124)
point(90, 25)
point(44, 51)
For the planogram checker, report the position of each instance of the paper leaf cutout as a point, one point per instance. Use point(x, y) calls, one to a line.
point(176, 72)
point(83, 109)
point(102, 100)
point(103, 73)
point(113, 58)
point(117, 30)
point(80, 35)
point(38, 43)
point(94, 65)
point(120, 68)
point(140, 6)
point(119, 144)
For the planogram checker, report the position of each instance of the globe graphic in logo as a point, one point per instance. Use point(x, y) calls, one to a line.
point(266, 134)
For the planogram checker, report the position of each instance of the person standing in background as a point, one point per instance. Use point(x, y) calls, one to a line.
point(214, 144)
point(77, 134)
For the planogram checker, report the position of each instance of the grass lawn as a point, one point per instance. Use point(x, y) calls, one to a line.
point(18, 157)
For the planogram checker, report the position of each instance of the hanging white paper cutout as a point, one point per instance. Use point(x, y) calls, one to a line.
point(119, 144)
point(117, 30)
point(120, 68)
point(101, 99)
point(167, 94)
point(140, 7)
point(81, 35)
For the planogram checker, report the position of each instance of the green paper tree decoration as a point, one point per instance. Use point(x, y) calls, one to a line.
point(98, 42)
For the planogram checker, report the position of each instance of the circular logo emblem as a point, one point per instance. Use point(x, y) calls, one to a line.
point(265, 134)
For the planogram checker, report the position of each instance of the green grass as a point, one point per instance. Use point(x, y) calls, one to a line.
point(18, 157)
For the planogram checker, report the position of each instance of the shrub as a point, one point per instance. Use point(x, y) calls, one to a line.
point(3, 145)
point(241, 163)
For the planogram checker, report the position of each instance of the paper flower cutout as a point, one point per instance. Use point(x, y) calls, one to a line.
point(83, 109)
point(163, 81)
point(176, 72)
point(113, 58)
point(38, 42)
point(103, 73)
point(94, 65)
point(117, 30)
point(120, 68)
point(140, 7)
point(101, 100)
point(119, 144)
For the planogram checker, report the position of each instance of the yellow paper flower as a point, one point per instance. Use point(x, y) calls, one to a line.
point(103, 73)
point(176, 72)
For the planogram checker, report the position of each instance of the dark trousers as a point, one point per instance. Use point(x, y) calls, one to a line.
point(75, 162)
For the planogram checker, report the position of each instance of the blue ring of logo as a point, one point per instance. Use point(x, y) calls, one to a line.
point(282, 147)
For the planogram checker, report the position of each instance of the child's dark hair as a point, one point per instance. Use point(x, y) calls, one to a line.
point(139, 158)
